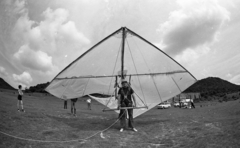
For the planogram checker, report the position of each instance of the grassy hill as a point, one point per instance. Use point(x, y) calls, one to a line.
point(213, 84)
point(5, 85)
point(212, 88)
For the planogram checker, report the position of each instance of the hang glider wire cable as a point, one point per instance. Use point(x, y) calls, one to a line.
point(66, 86)
point(112, 77)
point(137, 73)
point(160, 51)
point(124, 35)
point(108, 101)
point(85, 87)
point(136, 93)
point(114, 67)
point(176, 85)
point(149, 71)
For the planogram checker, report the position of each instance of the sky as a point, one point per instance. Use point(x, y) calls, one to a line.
point(38, 38)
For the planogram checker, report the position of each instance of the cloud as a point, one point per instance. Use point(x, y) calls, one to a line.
point(69, 32)
point(20, 6)
point(191, 56)
point(57, 29)
point(25, 78)
point(36, 60)
point(45, 42)
point(197, 23)
point(235, 79)
point(3, 72)
point(229, 75)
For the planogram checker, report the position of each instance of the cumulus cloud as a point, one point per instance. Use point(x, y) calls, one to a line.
point(70, 33)
point(197, 23)
point(235, 79)
point(191, 56)
point(25, 78)
point(19, 7)
point(36, 60)
point(228, 75)
point(3, 72)
point(45, 41)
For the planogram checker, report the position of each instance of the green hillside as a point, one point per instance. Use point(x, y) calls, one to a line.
point(5, 85)
point(213, 85)
point(38, 88)
point(213, 88)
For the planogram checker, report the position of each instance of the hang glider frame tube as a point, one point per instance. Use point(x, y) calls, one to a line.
point(165, 73)
point(105, 109)
point(159, 50)
point(124, 29)
point(120, 108)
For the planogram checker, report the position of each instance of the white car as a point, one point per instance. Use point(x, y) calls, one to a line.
point(164, 105)
point(176, 104)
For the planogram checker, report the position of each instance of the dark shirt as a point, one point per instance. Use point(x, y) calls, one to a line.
point(125, 94)
point(74, 100)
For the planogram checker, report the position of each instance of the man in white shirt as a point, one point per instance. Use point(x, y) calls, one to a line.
point(89, 103)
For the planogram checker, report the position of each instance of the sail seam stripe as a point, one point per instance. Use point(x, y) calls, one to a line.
point(166, 73)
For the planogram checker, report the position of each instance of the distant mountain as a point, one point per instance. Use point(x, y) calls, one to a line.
point(5, 85)
point(213, 86)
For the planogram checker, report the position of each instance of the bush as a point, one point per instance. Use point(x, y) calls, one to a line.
point(225, 99)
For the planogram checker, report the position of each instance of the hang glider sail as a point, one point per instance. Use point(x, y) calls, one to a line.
point(154, 76)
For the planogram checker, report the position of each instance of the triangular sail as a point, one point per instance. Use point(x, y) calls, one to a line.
point(154, 76)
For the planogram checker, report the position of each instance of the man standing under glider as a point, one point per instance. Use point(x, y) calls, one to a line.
point(73, 108)
point(126, 98)
point(192, 104)
point(65, 104)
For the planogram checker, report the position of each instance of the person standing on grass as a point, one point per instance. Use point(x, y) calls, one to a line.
point(126, 98)
point(65, 104)
point(192, 104)
point(89, 103)
point(20, 102)
point(73, 108)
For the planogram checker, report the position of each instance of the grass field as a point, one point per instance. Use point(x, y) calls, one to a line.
point(214, 125)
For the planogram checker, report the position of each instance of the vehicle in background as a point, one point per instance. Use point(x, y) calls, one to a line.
point(164, 105)
point(176, 104)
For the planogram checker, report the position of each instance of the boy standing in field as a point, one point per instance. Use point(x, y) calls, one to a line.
point(20, 102)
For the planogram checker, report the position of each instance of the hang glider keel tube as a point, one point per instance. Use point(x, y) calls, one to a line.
point(124, 75)
point(104, 110)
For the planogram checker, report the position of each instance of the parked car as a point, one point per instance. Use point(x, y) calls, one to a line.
point(164, 105)
point(176, 104)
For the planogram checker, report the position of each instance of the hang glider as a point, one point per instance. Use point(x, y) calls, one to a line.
point(154, 76)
